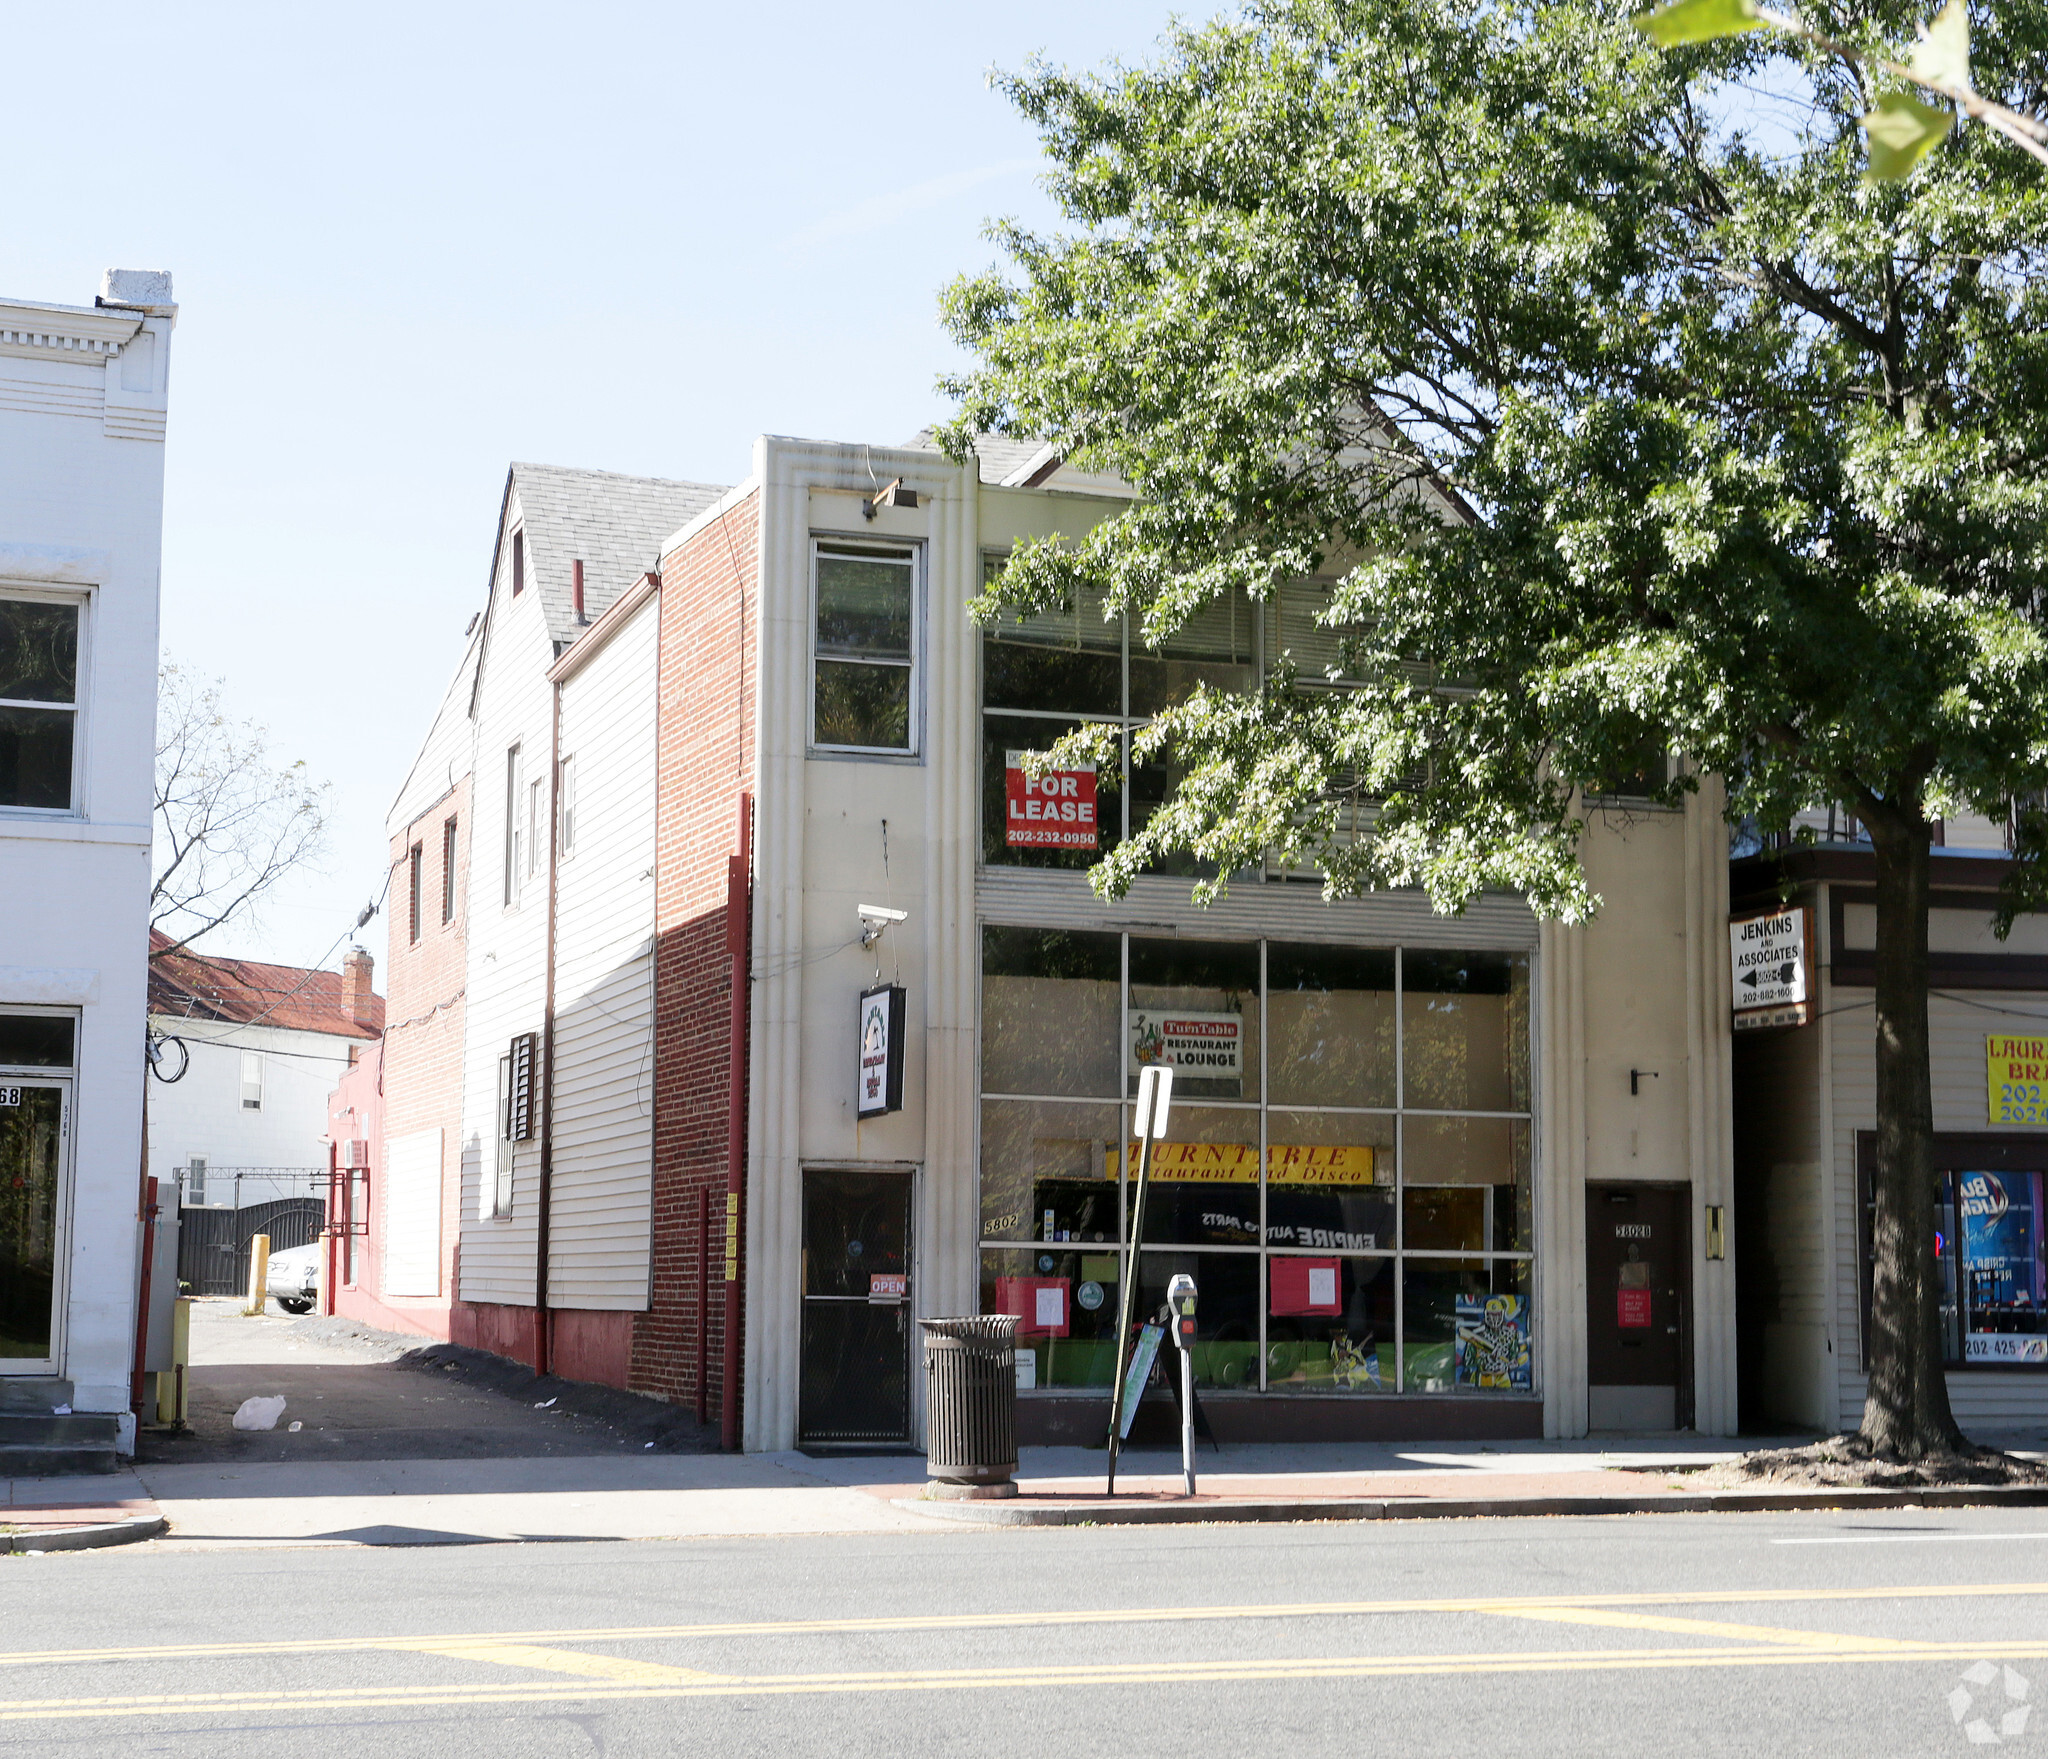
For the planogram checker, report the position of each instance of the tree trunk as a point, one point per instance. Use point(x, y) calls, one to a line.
point(1905, 1409)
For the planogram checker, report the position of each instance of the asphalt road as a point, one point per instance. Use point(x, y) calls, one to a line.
point(1641, 1636)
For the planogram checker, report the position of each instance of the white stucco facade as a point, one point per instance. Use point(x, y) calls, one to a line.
point(82, 413)
point(1627, 1017)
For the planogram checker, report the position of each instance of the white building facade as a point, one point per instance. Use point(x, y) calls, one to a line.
point(82, 415)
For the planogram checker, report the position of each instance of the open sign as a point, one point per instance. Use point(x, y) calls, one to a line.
point(1055, 810)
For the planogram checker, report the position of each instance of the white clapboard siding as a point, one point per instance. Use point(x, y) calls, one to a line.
point(412, 1214)
point(507, 987)
point(600, 1212)
point(1985, 1399)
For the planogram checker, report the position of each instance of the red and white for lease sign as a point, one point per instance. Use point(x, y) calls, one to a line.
point(1057, 811)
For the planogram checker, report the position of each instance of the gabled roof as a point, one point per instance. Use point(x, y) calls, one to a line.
point(198, 986)
point(613, 524)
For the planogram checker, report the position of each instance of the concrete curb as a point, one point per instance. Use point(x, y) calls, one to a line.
point(84, 1538)
point(1104, 1513)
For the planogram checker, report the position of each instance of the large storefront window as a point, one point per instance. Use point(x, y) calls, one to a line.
point(1994, 1264)
point(1347, 1174)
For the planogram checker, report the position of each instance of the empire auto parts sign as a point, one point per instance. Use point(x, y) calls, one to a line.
point(1768, 957)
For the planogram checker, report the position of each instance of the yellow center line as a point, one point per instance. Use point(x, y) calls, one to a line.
point(973, 1621)
point(1614, 1620)
point(1032, 1679)
point(569, 1661)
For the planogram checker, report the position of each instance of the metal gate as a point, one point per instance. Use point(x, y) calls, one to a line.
point(213, 1240)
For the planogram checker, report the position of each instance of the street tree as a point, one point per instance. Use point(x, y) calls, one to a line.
point(1622, 408)
point(229, 823)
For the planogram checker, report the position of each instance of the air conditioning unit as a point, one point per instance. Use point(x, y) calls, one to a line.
point(358, 1156)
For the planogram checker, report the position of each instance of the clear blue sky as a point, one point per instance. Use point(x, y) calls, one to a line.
point(413, 243)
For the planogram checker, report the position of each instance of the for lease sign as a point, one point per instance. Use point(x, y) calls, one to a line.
point(2017, 1072)
point(1055, 810)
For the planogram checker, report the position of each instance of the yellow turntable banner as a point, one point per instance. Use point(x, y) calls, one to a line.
point(1237, 1163)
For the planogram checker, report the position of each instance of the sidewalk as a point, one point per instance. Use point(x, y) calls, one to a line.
point(599, 1497)
point(596, 1497)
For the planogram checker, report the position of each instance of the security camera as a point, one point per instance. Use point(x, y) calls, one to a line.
point(875, 918)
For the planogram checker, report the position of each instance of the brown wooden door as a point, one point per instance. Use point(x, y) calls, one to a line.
point(1639, 1306)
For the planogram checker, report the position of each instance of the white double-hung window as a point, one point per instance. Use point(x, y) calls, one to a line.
point(864, 655)
point(515, 826)
point(39, 679)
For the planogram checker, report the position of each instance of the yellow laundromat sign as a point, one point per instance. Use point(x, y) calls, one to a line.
point(1237, 1163)
point(2018, 1079)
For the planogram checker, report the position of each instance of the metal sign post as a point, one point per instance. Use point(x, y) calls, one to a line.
point(1155, 1095)
point(1180, 1297)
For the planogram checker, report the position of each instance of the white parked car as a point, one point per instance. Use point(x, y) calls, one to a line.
point(295, 1277)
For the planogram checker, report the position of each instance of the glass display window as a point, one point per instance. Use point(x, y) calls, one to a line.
point(1226, 1314)
point(1467, 1177)
point(1989, 1223)
point(1465, 1031)
point(1204, 1184)
point(1330, 1323)
point(1195, 1004)
point(1330, 1181)
point(1050, 1000)
point(1466, 1325)
point(1065, 1300)
point(1050, 1171)
point(1330, 1025)
point(1360, 1248)
point(2003, 1273)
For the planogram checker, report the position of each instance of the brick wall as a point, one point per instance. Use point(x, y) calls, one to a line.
point(709, 600)
point(423, 1045)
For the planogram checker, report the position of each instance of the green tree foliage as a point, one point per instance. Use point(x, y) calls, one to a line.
point(1617, 399)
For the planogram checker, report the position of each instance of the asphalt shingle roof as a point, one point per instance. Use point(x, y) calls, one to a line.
point(1000, 457)
point(613, 524)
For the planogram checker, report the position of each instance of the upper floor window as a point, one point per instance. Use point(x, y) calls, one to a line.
point(518, 562)
point(252, 1081)
point(448, 870)
point(38, 703)
point(415, 868)
point(864, 657)
point(515, 826)
point(565, 796)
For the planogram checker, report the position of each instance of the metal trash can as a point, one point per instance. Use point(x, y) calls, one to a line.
point(970, 1376)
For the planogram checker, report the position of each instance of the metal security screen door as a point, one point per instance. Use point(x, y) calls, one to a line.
point(35, 1125)
point(854, 1386)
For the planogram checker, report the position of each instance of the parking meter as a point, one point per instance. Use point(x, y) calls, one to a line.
point(1180, 1300)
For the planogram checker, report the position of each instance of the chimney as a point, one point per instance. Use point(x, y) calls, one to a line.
point(357, 995)
point(577, 567)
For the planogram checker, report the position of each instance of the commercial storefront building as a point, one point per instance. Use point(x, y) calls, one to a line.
point(1433, 1175)
point(1806, 1118)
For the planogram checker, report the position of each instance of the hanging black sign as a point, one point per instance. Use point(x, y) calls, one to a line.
point(880, 1089)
